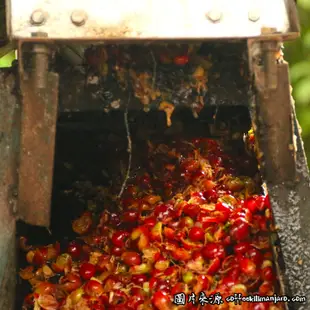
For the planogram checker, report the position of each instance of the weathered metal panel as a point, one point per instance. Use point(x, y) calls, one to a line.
point(39, 113)
point(284, 169)
point(291, 208)
point(151, 19)
point(275, 126)
point(9, 144)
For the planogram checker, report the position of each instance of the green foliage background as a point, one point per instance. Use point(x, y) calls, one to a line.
point(297, 53)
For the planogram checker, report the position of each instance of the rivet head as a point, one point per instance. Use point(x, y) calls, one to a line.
point(38, 17)
point(254, 15)
point(214, 15)
point(78, 17)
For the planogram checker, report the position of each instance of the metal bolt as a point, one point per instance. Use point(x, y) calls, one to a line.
point(254, 15)
point(214, 15)
point(41, 58)
point(38, 17)
point(78, 17)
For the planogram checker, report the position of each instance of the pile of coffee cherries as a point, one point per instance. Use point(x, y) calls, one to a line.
point(187, 229)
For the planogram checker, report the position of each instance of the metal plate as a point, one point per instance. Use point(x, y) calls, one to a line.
point(291, 208)
point(151, 19)
point(276, 133)
point(38, 127)
point(279, 139)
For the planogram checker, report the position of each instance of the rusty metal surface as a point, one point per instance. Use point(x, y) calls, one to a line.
point(39, 111)
point(9, 144)
point(274, 122)
point(275, 114)
point(151, 19)
point(40, 65)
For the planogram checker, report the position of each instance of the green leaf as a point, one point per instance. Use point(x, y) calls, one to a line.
point(306, 39)
point(296, 53)
point(6, 61)
point(299, 70)
point(303, 115)
point(302, 91)
point(304, 4)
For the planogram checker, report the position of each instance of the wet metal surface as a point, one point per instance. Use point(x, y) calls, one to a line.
point(291, 207)
point(9, 143)
point(39, 110)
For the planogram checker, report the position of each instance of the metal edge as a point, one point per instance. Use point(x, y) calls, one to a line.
point(9, 146)
point(37, 150)
point(291, 210)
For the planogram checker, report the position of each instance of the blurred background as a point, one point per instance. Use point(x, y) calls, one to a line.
point(297, 53)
